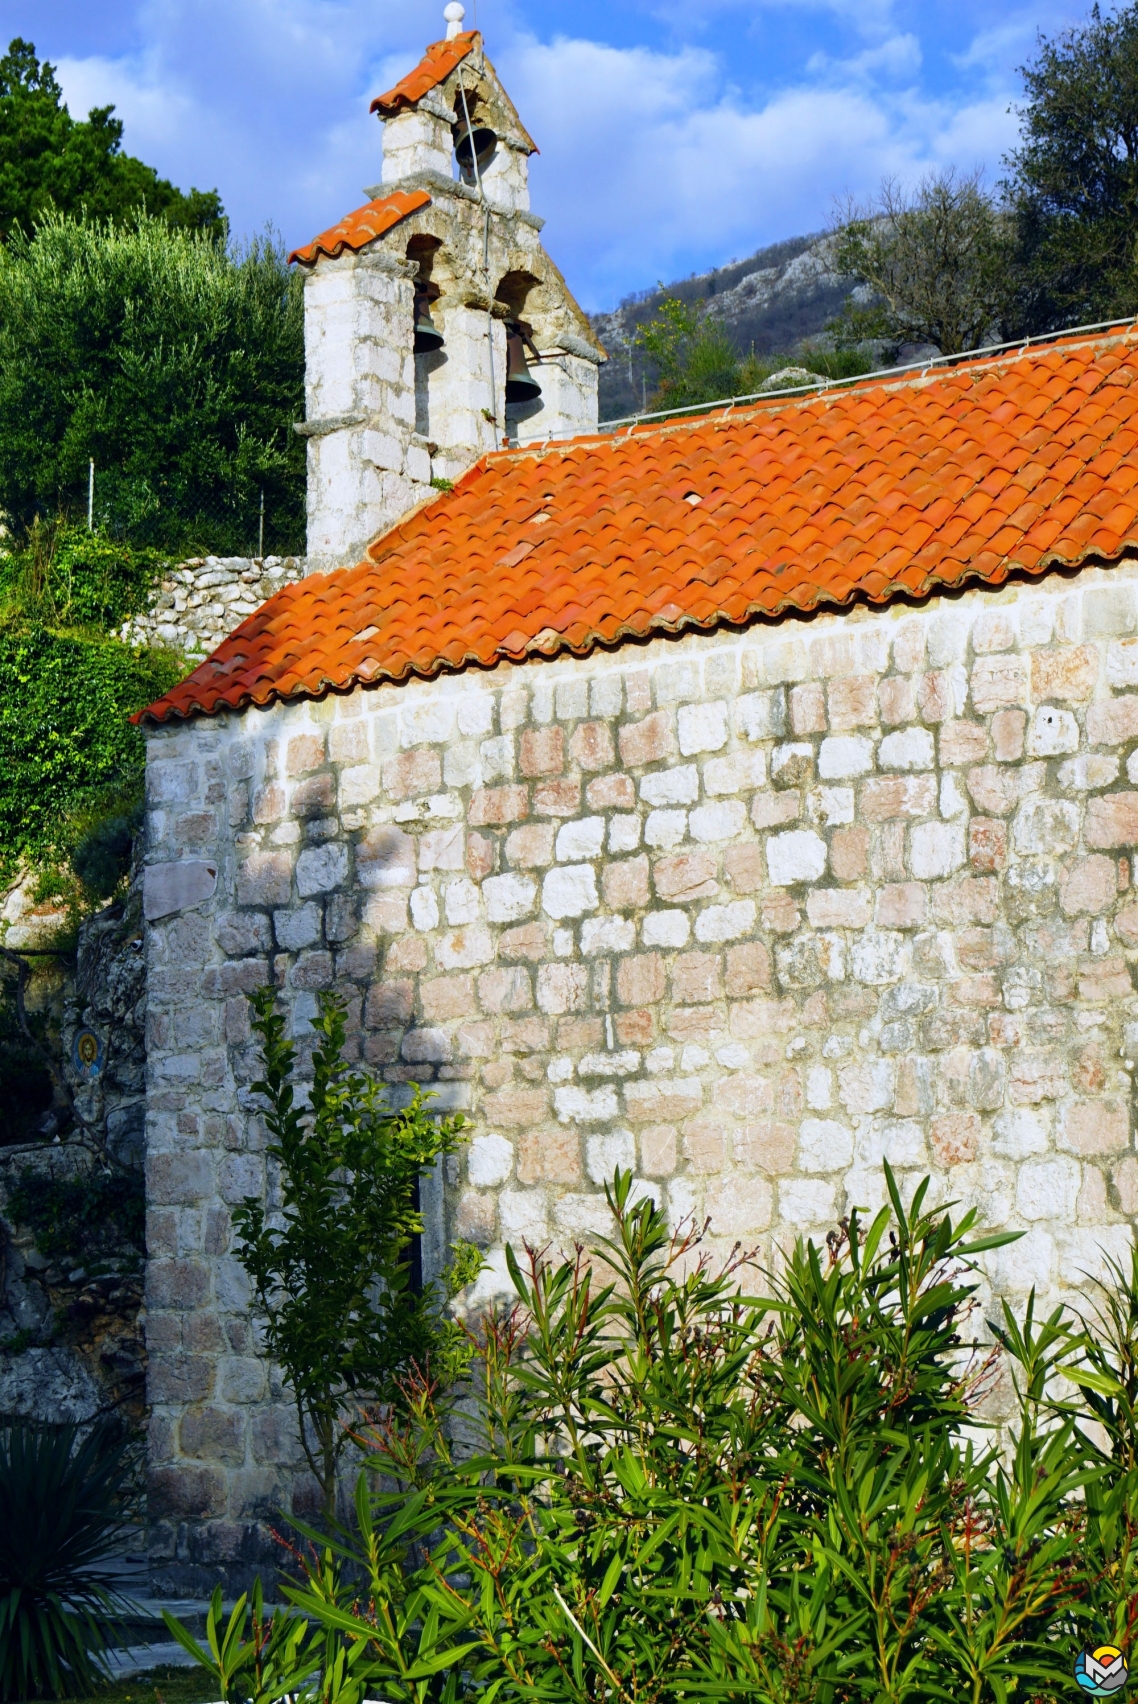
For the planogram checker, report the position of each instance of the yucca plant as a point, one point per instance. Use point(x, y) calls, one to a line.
point(64, 1498)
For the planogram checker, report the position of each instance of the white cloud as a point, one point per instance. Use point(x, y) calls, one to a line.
point(653, 160)
point(1010, 41)
point(647, 169)
point(868, 17)
point(264, 99)
point(896, 57)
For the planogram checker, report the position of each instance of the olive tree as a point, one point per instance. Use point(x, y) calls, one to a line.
point(938, 262)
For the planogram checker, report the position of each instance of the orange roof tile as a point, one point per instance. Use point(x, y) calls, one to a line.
point(893, 487)
point(435, 67)
point(357, 229)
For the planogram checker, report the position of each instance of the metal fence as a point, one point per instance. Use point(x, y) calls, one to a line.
point(254, 519)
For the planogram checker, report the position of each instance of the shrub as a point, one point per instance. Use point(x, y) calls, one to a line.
point(101, 860)
point(332, 1270)
point(65, 739)
point(86, 1217)
point(696, 361)
point(63, 1500)
point(68, 576)
point(662, 1487)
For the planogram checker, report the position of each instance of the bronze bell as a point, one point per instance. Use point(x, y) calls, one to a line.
point(474, 151)
point(521, 386)
point(428, 337)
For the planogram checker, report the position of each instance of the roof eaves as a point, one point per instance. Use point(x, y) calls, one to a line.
point(548, 644)
point(436, 65)
point(362, 226)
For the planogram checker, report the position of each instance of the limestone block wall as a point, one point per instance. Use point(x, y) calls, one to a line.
point(457, 395)
point(505, 177)
point(203, 599)
point(366, 465)
point(747, 913)
point(568, 398)
point(419, 139)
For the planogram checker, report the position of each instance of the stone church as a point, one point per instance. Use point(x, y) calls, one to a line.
point(744, 799)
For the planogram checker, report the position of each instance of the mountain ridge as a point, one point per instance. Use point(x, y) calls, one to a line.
point(771, 301)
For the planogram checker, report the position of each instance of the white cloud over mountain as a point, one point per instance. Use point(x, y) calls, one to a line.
point(655, 159)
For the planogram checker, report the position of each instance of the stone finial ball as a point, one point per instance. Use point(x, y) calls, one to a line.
point(454, 14)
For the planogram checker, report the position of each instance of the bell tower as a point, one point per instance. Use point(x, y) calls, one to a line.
point(436, 326)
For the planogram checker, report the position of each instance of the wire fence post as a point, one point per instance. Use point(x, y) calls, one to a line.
point(261, 534)
point(91, 494)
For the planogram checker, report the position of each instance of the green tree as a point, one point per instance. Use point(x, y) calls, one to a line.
point(176, 366)
point(49, 160)
point(694, 358)
point(696, 362)
point(1075, 177)
point(331, 1273)
point(939, 264)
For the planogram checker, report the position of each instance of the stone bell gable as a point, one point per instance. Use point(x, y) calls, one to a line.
point(745, 800)
point(436, 326)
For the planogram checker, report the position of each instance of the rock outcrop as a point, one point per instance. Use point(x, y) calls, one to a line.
point(71, 1248)
point(769, 302)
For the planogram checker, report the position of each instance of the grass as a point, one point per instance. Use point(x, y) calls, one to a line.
point(163, 1685)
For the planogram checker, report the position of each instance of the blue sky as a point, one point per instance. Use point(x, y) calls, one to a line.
point(674, 136)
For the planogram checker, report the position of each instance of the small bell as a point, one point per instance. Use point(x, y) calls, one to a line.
point(521, 386)
point(428, 337)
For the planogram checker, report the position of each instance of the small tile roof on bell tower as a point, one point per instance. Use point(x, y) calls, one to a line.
point(355, 230)
point(434, 68)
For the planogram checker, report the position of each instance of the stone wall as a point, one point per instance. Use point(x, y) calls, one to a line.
point(203, 599)
point(748, 913)
point(71, 1339)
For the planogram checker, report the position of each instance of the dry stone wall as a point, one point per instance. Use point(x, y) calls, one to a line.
point(748, 914)
point(203, 599)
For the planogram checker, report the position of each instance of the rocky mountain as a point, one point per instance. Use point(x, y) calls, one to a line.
point(770, 302)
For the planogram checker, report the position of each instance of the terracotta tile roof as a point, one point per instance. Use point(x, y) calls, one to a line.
point(434, 68)
point(357, 229)
point(887, 488)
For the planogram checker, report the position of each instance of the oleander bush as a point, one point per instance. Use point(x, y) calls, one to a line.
point(670, 1479)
